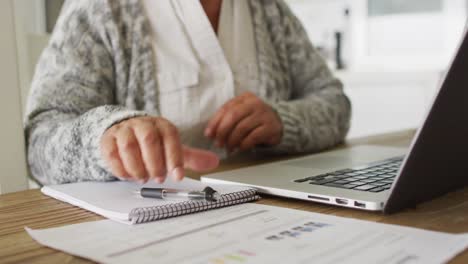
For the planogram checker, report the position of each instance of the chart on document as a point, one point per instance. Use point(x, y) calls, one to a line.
point(253, 233)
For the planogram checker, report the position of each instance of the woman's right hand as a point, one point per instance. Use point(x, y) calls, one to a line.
point(144, 148)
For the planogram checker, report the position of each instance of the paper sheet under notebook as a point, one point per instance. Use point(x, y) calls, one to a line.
point(252, 233)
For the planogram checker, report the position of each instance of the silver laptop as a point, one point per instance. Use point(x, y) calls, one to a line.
point(380, 178)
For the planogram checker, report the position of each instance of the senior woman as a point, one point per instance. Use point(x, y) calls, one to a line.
point(140, 90)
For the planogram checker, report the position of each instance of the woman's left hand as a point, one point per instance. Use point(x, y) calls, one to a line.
point(245, 122)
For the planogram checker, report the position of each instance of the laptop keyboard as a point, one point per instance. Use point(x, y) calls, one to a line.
point(375, 177)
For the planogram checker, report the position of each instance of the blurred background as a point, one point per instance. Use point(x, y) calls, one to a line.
point(390, 55)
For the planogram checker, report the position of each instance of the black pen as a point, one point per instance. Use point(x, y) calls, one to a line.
point(207, 194)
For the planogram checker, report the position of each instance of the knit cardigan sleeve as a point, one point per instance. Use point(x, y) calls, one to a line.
point(317, 116)
point(72, 99)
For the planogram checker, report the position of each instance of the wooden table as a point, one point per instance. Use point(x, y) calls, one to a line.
point(30, 208)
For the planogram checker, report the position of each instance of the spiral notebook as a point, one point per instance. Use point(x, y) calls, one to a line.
point(119, 201)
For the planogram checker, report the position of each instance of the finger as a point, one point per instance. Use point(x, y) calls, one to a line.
point(256, 137)
point(199, 160)
point(172, 149)
point(151, 148)
point(229, 122)
point(240, 132)
point(212, 125)
point(110, 153)
point(129, 151)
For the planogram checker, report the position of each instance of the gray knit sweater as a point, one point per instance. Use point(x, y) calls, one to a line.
point(98, 70)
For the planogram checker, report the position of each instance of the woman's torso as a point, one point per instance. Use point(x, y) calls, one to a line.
point(194, 72)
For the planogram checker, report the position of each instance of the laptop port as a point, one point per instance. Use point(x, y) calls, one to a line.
point(341, 201)
point(359, 204)
point(318, 198)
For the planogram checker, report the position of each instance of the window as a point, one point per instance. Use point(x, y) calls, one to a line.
point(406, 35)
point(389, 34)
point(389, 7)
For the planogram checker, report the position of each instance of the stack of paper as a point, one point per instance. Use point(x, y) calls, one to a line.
point(252, 233)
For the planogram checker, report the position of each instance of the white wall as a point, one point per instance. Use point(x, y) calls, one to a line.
point(12, 156)
point(388, 101)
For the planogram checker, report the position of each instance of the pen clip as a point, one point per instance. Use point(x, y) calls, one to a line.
point(210, 194)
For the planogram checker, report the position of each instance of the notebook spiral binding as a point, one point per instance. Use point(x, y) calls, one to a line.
point(148, 214)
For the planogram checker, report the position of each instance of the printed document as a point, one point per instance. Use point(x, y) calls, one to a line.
point(253, 233)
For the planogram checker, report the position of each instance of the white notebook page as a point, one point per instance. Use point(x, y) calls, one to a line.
point(115, 200)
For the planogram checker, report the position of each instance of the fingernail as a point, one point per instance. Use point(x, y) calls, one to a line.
point(159, 180)
point(178, 173)
point(143, 179)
